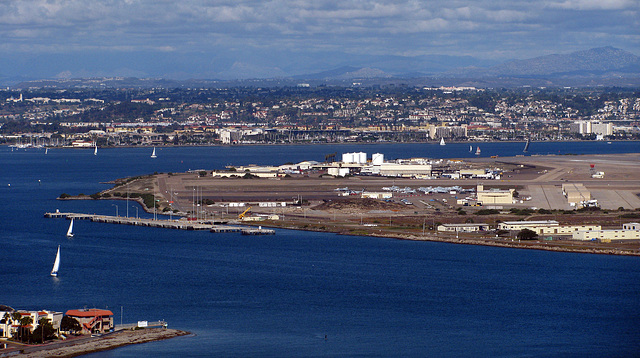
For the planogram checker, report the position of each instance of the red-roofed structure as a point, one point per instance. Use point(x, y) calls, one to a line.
point(93, 320)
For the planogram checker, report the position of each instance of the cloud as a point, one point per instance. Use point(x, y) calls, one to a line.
point(236, 29)
point(595, 4)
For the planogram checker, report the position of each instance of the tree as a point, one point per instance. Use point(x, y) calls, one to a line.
point(44, 331)
point(70, 324)
point(526, 234)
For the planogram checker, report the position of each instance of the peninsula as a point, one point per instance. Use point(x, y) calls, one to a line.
point(448, 204)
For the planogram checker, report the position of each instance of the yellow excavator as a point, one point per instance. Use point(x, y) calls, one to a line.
point(244, 213)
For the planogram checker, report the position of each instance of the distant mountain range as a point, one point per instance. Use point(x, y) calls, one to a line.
point(607, 66)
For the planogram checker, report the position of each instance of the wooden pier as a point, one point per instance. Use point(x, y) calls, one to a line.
point(166, 224)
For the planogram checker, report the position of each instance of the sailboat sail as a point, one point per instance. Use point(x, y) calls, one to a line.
point(470, 148)
point(95, 150)
point(56, 264)
point(442, 141)
point(526, 146)
point(478, 151)
point(153, 154)
point(70, 231)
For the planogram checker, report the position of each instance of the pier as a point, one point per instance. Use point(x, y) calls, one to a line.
point(165, 224)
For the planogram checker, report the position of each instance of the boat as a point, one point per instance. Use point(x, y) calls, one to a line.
point(70, 231)
point(153, 154)
point(442, 141)
point(95, 150)
point(526, 146)
point(478, 151)
point(470, 149)
point(56, 264)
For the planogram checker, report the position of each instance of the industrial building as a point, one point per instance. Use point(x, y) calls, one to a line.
point(377, 195)
point(548, 227)
point(607, 235)
point(577, 195)
point(463, 227)
point(494, 196)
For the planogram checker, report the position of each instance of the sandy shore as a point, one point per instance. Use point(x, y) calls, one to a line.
point(85, 345)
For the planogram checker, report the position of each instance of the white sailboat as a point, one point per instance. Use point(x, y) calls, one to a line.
point(95, 150)
point(442, 141)
point(56, 264)
point(153, 154)
point(470, 149)
point(70, 231)
point(478, 151)
point(46, 150)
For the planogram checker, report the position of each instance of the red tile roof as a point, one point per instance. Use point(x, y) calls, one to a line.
point(91, 312)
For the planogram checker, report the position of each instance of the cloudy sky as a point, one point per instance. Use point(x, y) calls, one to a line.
point(255, 38)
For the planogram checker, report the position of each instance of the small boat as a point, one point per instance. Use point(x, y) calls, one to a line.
point(153, 154)
point(70, 231)
point(95, 150)
point(442, 141)
point(526, 146)
point(478, 151)
point(56, 264)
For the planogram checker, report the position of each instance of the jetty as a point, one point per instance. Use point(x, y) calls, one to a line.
point(165, 224)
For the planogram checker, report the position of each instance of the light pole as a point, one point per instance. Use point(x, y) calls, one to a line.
point(136, 210)
point(116, 208)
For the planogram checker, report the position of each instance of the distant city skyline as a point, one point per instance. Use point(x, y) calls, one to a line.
point(258, 39)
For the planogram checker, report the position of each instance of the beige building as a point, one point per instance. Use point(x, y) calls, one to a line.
point(494, 196)
point(577, 195)
point(377, 194)
point(607, 235)
point(548, 227)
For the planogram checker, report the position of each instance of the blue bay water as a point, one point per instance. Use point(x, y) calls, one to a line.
point(281, 295)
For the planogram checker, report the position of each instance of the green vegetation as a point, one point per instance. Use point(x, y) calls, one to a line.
point(70, 324)
point(522, 212)
point(526, 234)
point(487, 212)
point(64, 196)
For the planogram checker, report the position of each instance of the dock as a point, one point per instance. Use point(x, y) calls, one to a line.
point(165, 224)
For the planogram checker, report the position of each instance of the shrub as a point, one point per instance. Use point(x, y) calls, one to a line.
point(64, 196)
point(487, 212)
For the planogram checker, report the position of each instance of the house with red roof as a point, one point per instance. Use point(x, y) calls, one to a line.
point(93, 320)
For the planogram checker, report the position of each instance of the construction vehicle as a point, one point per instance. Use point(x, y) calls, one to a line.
point(244, 213)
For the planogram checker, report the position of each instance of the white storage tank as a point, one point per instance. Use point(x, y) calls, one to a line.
point(377, 159)
point(348, 157)
point(361, 158)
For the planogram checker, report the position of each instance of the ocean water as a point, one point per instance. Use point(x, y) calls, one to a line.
point(303, 294)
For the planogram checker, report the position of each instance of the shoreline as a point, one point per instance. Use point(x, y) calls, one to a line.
point(75, 347)
point(325, 144)
point(526, 245)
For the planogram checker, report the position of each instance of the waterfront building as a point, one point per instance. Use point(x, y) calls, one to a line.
point(93, 320)
point(546, 227)
point(607, 235)
point(473, 227)
point(9, 325)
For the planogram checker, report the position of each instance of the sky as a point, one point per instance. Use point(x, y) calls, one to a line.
point(253, 38)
